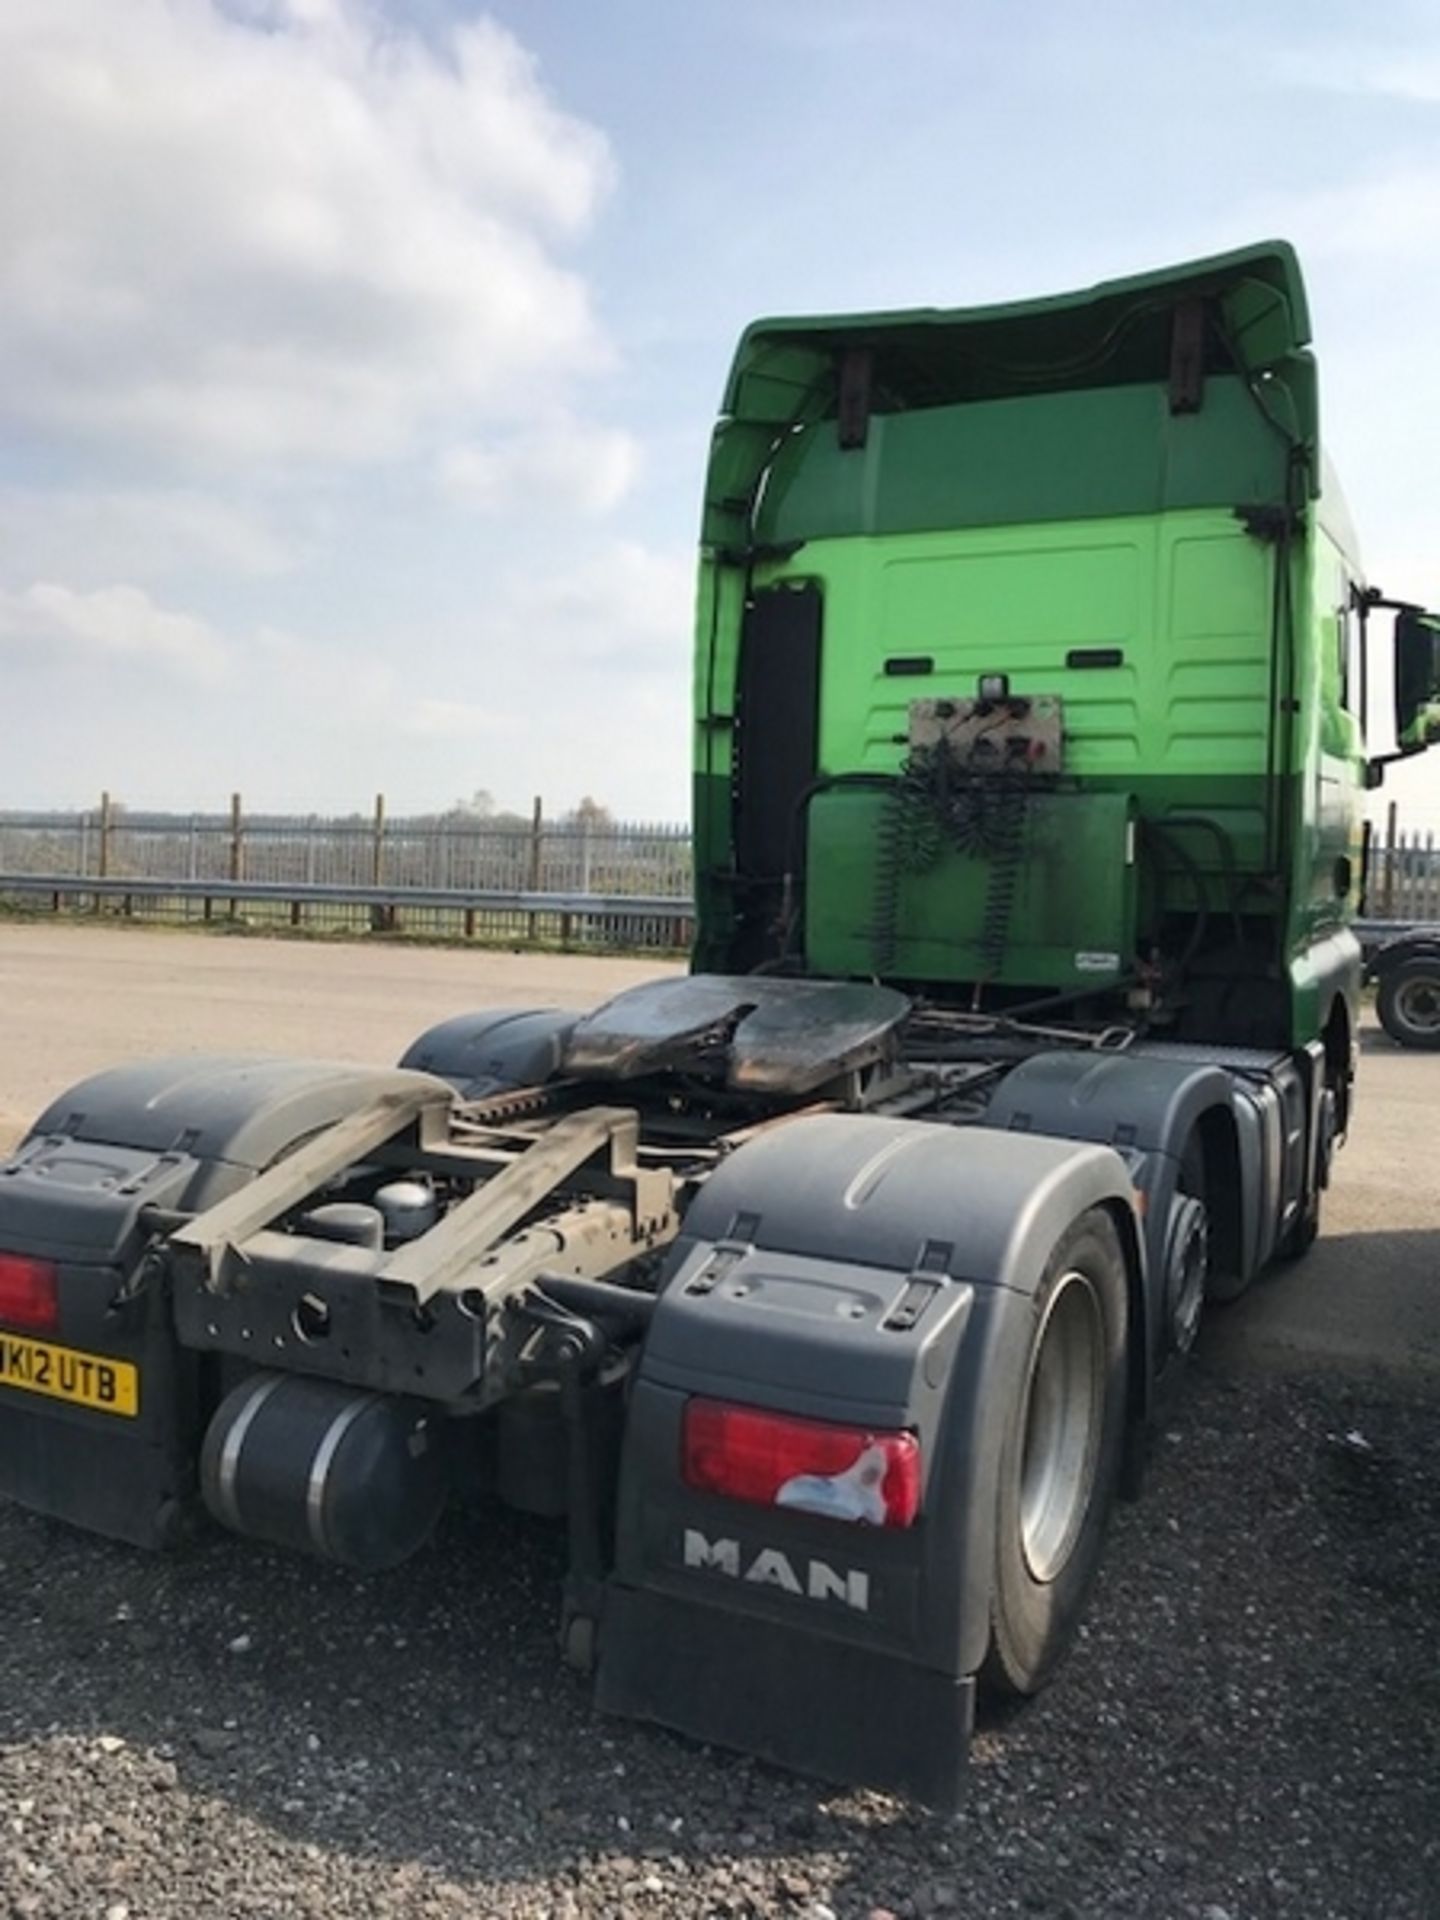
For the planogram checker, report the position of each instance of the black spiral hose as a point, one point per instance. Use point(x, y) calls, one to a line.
point(890, 841)
point(1010, 808)
point(938, 804)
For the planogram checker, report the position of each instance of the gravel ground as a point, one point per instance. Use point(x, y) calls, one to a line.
point(1248, 1729)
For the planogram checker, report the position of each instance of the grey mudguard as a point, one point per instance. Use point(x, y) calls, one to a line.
point(879, 1274)
point(1147, 1102)
point(175, 1134)
point(1146, 1107)
point(1134, 1101)
point(1418, 944)
point(220, 1110)
point(493, 1050)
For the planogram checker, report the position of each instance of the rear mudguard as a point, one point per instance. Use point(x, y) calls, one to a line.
point(880, 1274)
point(492, 1051)
point(173, 1134)
point(1402, 947)
point(1251, 1112)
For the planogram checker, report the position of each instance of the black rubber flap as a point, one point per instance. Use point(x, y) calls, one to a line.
point(777, 721)
point(786, 1695)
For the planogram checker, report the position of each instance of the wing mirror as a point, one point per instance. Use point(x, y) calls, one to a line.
point(1417, 679)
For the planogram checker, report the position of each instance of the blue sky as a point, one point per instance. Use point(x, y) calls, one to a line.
point(357, 362)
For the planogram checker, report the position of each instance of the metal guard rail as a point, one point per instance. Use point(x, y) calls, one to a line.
point(637, 906)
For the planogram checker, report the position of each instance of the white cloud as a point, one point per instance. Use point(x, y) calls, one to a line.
point(118, 623)
point(301, 674)
point(92, 536)
point(627, 601)
point(452, 719)
point(359, 690)
point(294, 232)
point(246, 246)
point(563, 463)
point(570, 685)
point(1362, 69)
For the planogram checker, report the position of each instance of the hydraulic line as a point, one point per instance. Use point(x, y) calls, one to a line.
point(793, 896)
point(1184, 858)
point(1225, 844)
point(1280, 735)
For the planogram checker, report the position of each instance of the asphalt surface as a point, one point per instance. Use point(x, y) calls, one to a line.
point(1249, 1726)
point(76, 999)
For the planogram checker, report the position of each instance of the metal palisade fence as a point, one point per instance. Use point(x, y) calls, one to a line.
point(583, 880)
point(1403, 874)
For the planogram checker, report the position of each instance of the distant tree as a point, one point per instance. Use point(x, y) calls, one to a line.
point(480, 805)
point(590, 813)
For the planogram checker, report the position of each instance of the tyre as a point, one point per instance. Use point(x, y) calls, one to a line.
point(1303, 1234)
point(1060, 1459)
point(1407, 1000)
point(1217, 1286)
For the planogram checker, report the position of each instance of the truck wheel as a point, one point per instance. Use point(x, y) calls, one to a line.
point(1216, 1285)
point(1303, 1235)
point(1060, 1460)
point(1306, 1229)
point(1408, 1002)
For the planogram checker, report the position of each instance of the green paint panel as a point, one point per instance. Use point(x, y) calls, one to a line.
point(1072, 921)
point(1055, 456)
point(1184, 598)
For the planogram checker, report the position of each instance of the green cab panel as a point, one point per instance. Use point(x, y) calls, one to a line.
point(1153, 630)
point(1095, 454)
point(1060, 914)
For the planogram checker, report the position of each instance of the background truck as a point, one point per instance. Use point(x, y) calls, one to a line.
point(827, 1294)
point(1402, 959)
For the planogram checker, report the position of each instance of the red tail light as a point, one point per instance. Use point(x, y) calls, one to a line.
point(28, 1296)
point(776, 1460)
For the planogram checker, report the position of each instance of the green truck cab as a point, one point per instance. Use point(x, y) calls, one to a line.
point(1107, 513)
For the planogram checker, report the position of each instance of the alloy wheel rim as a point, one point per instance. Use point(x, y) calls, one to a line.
point(1064, 1398)
point(1418, 1004)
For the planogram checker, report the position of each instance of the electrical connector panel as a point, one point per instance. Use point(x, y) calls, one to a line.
point(1014, 733)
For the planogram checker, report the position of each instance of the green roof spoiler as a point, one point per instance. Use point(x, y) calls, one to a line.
point(1257, 322)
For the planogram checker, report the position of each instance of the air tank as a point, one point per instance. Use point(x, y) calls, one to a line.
point(351, 1476)
point(409, 1208)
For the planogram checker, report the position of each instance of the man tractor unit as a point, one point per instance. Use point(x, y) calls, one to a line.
point(827, 1293)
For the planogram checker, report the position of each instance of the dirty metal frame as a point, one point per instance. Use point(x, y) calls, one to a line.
point(244, 1286)
point(568, 1195)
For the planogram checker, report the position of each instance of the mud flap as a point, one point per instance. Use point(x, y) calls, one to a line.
point(98, 1411)
point(787, 1695)
point(877, 1274)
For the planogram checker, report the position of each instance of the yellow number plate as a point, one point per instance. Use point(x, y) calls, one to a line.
point(81, 1379)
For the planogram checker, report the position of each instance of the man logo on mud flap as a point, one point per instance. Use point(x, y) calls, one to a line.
point(772, 1568)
